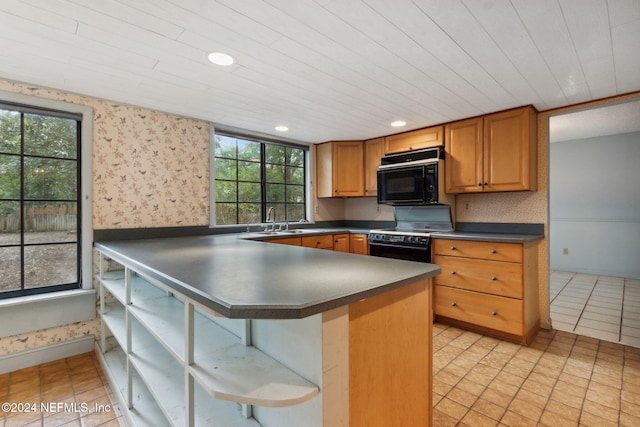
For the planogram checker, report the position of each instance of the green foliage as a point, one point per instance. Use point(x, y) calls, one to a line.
point(250, 173)
point(53, 178)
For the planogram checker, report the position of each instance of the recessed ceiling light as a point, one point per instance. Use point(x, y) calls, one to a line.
point(281, 128)
point(398, 123)
point(220, 58)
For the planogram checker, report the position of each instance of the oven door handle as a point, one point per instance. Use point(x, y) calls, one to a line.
point(387, 245)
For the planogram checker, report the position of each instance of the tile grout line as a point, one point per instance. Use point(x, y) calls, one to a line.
point(585, 305)
point(560, 291)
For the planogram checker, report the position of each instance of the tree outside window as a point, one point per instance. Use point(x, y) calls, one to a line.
point(39, 187)
point(252, 176)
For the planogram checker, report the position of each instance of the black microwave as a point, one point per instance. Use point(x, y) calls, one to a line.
point(409, 178)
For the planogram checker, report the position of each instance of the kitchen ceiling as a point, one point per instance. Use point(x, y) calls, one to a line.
point(328, 70)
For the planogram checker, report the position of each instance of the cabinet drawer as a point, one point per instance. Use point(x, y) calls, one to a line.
point(320, 242)
point(497, 251)
point(489, 311)
point(492, 277)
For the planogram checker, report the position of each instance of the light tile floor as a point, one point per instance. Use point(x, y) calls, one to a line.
point(602, 307)
point(69, 392)
point(561, 379)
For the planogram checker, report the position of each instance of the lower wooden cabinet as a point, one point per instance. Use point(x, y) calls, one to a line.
point(359, 244)
point(322, 241)
point(343, 242)
point(487, 311)
point(489, 287)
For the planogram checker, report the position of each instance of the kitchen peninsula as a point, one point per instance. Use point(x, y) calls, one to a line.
point(219, 330)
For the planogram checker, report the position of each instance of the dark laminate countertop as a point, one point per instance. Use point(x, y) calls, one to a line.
point(240, 278)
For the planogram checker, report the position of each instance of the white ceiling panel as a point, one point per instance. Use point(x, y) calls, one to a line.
point(328, 69)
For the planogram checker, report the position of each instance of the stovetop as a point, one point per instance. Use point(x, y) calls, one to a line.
point(414, 225)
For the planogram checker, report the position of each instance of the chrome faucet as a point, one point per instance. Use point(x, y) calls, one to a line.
point(273, 220)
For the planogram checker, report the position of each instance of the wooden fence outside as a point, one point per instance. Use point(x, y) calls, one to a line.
point(41, 218)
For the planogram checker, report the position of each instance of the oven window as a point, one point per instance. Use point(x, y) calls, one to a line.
point(403, 185)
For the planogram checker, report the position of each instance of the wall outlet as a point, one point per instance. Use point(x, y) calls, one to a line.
point(565, 251)
point(465, 205)
point(315, 209)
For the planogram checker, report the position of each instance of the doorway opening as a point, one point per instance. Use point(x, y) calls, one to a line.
point(594, 222)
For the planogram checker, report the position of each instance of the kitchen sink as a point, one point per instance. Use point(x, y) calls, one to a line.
point(272, 232)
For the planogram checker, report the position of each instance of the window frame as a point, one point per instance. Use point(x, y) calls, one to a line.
point(264, 205)
point(84, 195)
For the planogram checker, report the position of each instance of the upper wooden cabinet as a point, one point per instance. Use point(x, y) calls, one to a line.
point(414, 140)
point(493, 153)
point(373, 152)
point(340, 169)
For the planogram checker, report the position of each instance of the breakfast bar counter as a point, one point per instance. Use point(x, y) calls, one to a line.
point(220, 330)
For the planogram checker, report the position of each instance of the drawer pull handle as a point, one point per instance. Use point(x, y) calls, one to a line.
point(453, 248)
point(453, 304)
point(494, 313)
point(494, 278)
point(453, 272)
point(493, 251)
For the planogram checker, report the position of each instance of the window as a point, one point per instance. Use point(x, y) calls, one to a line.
point(39, 200)
point(253, 176)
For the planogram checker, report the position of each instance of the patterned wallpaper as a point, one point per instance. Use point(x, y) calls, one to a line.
point(150, 169)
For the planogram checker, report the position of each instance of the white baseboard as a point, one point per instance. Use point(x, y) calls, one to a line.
point(49, 353)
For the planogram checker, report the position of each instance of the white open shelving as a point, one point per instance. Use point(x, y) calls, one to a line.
point(175, 365)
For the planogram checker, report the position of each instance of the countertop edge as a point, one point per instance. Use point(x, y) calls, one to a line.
point(259, 312)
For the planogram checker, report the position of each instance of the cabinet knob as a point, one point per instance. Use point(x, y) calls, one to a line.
point(335, 190)
point(453, 304)
point(494, 313)
point(486, 183)
point(453, 272)
point(479, 184)
point(453, 248)
point(494, 278)
point(493, 251)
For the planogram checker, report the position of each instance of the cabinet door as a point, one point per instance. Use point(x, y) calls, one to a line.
point(414, 140)
point(463, 161)
point(509, 150)
point(324, 167)
point(359, 244)
point(348, 170)
point(341, 242)
point(373, 152)
point(324, 241)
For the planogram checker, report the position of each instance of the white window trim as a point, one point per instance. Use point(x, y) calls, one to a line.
point(86, 159)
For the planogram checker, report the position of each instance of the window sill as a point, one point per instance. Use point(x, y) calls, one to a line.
point(36, 312)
